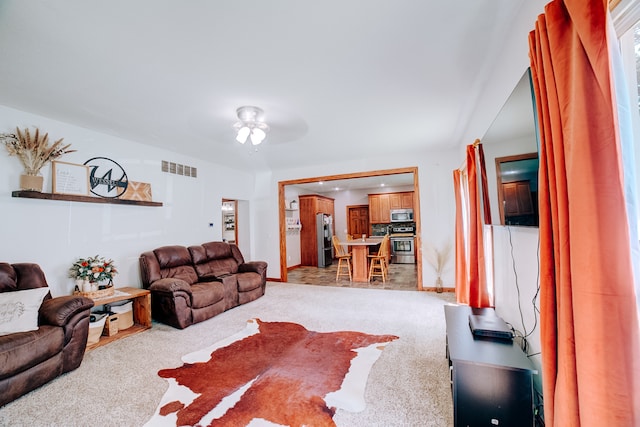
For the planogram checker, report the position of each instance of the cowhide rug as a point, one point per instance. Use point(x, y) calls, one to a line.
point(272, 373)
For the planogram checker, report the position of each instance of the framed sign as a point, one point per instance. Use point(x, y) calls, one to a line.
point(70, 178)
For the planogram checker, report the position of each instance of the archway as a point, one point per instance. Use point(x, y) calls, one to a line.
point(416, 204)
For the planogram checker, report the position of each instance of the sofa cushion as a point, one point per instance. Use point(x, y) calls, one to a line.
point(213, 259)
point(19, 310)
point(175, 262)
point(206, 294)
point(21, 276)
point(248, 281)
point(8, 278)
point(21, 351)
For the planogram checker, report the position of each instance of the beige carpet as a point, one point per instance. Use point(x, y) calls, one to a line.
point(118, 384)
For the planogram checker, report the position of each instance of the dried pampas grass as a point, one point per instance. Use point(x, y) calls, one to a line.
point(34, 150)
point(438, 258)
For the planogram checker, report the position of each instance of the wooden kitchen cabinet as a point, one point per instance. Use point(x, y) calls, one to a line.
point(374, 209)
point(381, 204)
point(310, 205)
point(379, 207)
point(517, 198)
point(403, 200)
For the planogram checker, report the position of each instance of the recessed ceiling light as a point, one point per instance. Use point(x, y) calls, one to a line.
point(382, 185)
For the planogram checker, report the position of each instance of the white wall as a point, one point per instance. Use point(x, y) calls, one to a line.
point(516, 281)
point(54, 234)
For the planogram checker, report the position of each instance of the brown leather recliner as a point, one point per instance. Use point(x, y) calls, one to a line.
point(31, 359)
point(189, 285)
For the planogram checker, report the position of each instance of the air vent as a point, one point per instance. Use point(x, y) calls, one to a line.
point(178, 169)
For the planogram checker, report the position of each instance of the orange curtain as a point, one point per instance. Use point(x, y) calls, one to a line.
point(462, 283)
point(589, 318)
point(472, 212)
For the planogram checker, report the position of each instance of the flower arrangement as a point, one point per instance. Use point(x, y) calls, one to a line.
point(93, 269)
point(34, 150)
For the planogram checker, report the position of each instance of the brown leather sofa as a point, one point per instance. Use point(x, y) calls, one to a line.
point(189, 285)
point(31, 359)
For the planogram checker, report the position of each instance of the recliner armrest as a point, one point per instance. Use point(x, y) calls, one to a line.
point(259, 267)
point(170, 285)
point(57, 311)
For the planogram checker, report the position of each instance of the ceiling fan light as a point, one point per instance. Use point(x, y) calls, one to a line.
point(243, 133)
point(257, 136)
point(250, 125)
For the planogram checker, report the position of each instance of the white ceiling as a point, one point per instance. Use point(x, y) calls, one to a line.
point(336, 79)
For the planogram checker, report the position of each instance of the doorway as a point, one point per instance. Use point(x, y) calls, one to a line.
point(358, 220)
point(229, 221)
point(379, 173)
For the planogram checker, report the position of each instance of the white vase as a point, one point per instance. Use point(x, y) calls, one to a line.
point(86, 286)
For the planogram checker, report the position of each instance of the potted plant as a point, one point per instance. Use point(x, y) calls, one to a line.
point(438, 259)
point(34, 151)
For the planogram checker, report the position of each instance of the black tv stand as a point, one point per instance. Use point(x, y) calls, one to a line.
point(491, 380)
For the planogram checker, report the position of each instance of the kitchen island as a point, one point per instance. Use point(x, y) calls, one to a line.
point(359, 260)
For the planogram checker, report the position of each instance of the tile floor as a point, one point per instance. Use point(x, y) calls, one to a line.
point(401, 277)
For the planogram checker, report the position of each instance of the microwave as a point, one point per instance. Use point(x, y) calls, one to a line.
point(401, 215)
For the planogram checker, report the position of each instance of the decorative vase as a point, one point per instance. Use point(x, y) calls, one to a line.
point(86, 286)
point(31, 182)
point(439, 285)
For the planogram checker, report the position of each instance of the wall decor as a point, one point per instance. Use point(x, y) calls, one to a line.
point(138, 191)
point(70, 178)
point(106, 177)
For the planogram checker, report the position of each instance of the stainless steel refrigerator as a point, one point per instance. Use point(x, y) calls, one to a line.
point(325, 245)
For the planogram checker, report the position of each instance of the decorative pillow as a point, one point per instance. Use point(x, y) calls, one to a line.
point(19, 310)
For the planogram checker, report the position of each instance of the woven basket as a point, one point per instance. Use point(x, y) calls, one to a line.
point(101, 293)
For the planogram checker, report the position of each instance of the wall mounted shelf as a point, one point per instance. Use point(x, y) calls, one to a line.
point(85, 199)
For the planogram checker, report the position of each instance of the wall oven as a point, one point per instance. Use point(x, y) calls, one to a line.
point(403, 249)
point(401, 215)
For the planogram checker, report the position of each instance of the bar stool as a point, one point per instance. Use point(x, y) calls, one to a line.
point(344, 259)
point(378, 262)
